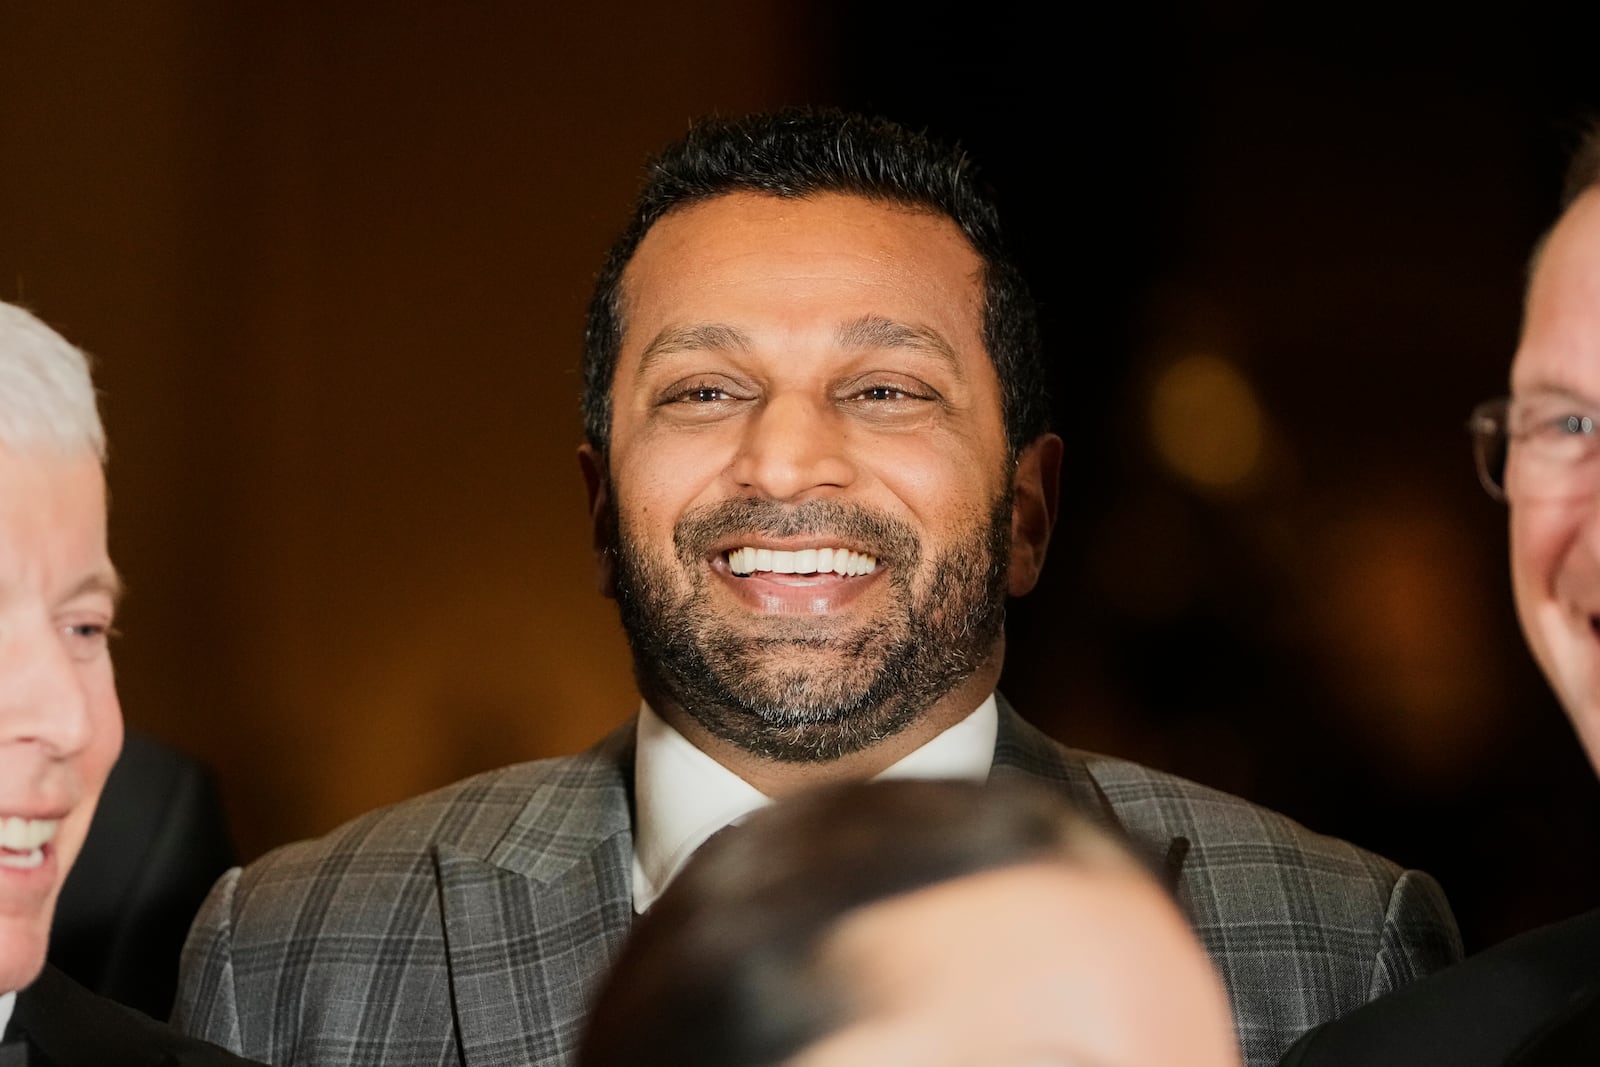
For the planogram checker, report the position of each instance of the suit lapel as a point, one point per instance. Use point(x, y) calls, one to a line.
point(531, 925)
point(1022, 751)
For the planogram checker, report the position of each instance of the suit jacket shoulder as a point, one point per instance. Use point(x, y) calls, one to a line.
point(524, 816)
point(66, 1025)
point(469, 924)
point(466, 924)
point(1303, 927)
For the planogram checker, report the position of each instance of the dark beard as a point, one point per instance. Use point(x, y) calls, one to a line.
point(886, 673)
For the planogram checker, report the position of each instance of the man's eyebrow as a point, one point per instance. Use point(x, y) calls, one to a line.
point(874, 331)
point(106, 583)
point(1544, 392)
point(700, 337)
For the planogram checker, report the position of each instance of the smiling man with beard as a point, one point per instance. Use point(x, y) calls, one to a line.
point(765, 692)
point(818, 461)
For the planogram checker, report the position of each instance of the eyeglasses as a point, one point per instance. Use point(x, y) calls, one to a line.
point(1541, 447)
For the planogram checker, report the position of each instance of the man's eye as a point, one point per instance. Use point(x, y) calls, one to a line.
point(85, 640)
point(698, 394)
point(88, 631)
point(885, 392)
point(1573, 424)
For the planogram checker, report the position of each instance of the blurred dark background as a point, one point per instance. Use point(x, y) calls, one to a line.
point(332, 260)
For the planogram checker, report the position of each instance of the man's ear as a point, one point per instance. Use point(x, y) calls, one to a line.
point(1035, 497)
point(598, 485)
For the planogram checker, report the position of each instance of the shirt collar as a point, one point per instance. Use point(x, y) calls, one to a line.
point(8, 1002)
point(683, 796)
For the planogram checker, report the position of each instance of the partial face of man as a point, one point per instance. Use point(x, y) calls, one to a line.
point(809, 491)
point(1555, 535)
point(60, 726)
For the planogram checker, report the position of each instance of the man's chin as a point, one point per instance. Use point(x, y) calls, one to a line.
point(1584, 714)
point(22, 951)
point(802, 676)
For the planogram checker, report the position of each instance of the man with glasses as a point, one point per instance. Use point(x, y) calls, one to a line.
point(1534, 999)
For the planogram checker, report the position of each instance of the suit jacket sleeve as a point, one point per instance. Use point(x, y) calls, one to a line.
point(207, 1006)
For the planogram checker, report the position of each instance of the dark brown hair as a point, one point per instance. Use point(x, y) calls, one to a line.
point(794, 153)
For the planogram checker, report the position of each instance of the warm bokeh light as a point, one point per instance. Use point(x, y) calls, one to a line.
point(1207, 425)
point(1402, 628)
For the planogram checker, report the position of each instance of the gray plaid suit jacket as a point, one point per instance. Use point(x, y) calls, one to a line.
point(468, 925)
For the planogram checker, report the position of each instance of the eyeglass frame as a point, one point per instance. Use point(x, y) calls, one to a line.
point(1490, 427)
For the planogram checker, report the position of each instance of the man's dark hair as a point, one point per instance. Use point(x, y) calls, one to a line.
point(1583, 170)
point(1582, 173)
point(727, 968)
point(801, 152)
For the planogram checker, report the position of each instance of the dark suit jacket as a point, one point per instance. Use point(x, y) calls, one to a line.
point(65, 1025)
point(1521, 1002)
point(158, 842)
point(470, 925)
point(1570, 1036)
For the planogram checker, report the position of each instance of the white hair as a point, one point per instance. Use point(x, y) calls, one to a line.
point(47, 398)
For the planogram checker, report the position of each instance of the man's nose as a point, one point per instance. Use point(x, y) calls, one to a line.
point(42, 696)
point(792, 446)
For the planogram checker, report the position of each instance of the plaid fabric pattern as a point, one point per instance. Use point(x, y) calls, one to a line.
point(467, 926)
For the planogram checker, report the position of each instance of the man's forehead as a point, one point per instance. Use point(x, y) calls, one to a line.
point(729, 216)
point(1560, 344)
point(698, 256)
point(53, 524)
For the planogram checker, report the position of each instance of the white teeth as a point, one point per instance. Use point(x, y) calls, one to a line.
point(839, 561)
point(26, 835)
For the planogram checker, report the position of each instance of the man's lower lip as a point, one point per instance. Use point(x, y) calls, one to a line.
point(778, 578)
point(789, 594)
point(18, 867)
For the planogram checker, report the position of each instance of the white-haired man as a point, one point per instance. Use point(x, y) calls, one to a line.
point(60, 724)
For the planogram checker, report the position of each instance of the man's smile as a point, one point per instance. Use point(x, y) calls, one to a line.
point(813, 559)
point(747, 561)
point(808, 581)
point(24, 841)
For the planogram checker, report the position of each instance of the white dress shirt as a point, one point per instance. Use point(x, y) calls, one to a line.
point(8, 1001)
point(683, 796)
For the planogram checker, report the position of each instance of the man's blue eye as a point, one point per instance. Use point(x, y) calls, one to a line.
point(1576, 424)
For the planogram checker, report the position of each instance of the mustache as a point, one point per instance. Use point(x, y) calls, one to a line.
point(884, 536)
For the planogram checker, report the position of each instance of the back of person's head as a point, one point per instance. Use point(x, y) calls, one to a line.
point(909, 922)
point(796, 153)
point(47, 401)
